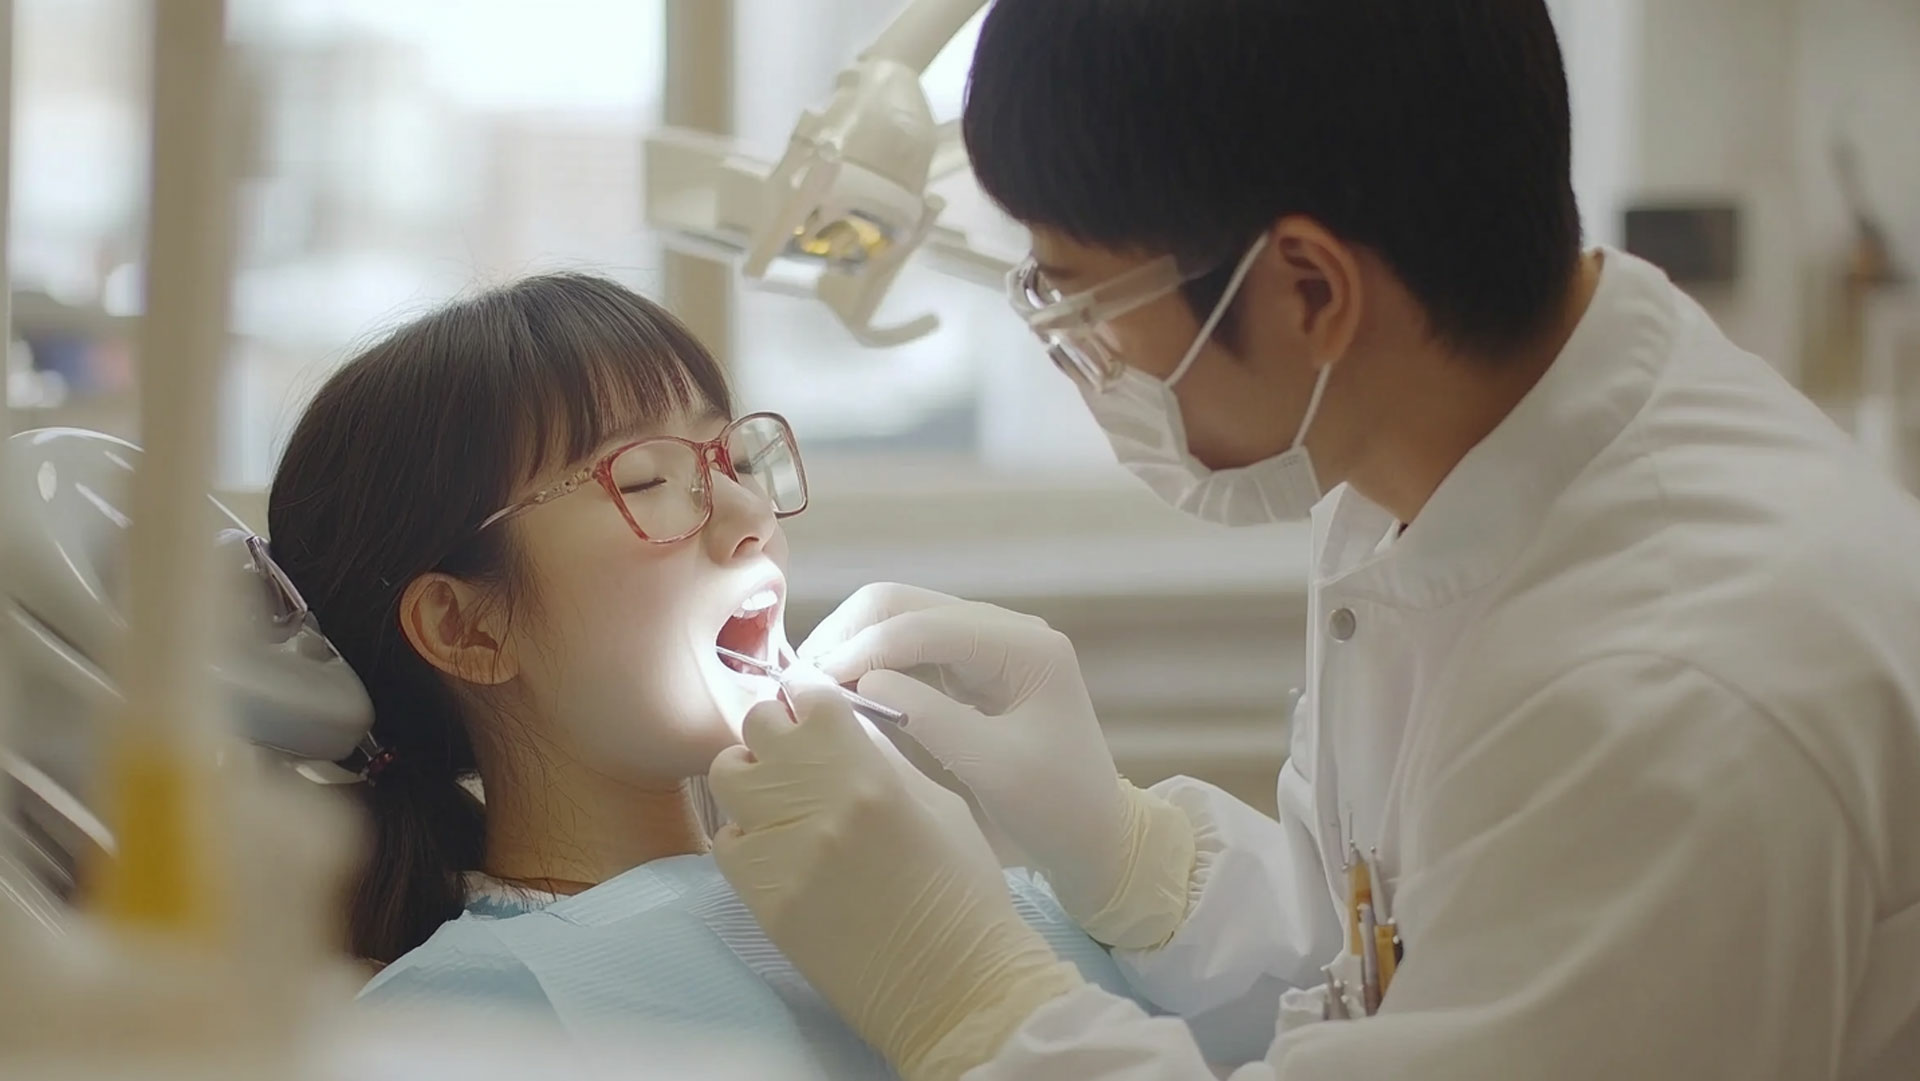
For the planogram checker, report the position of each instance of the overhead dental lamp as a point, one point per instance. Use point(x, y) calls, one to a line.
point(849, 197)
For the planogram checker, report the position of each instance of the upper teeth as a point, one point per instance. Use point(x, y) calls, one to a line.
point(759, 602)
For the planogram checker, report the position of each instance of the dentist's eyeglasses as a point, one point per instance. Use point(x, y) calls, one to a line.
point(1074, 326)
point(663, 485)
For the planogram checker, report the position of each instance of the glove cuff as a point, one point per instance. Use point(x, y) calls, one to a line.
point(988, 1018)
point(1148, 901)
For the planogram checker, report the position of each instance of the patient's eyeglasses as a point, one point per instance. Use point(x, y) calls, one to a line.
point(663, 485)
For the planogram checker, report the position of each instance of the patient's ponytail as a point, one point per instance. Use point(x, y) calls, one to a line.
point(428, 830)
point(398, 460)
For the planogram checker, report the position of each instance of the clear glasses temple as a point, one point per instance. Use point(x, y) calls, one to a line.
point(544, 495)
point(1096, 304)
point(297, 612)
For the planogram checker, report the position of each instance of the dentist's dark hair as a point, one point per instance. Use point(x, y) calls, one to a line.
point(1435, 133)
point(393, 466)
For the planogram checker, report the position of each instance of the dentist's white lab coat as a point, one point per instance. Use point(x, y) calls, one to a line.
point(1632, 713)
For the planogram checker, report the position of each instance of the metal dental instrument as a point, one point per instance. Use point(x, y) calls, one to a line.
point(863, 705)
point(1387, 945)
point(1370, 990)
point(1359, 894)
point(1386, 932)
point(1336, 997)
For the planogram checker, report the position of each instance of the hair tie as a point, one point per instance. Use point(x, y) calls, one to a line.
point(377, 765)
point(368, 760)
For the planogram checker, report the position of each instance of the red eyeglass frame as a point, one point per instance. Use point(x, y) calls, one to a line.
point(712, 454)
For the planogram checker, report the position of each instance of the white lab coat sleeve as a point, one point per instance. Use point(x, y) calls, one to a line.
point(1632, 873)
point(1259, 916)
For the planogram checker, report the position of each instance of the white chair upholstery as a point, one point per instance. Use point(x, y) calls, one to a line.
point(63, 510)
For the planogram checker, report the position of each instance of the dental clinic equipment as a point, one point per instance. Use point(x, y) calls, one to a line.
point(204, 939)
point(68, 520)
point(861, 704)
point(849, 197)
point(158, 795)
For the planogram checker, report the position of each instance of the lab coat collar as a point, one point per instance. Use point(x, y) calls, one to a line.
point(1485, 510)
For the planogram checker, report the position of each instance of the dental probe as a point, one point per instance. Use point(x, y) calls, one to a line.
point(867, 707)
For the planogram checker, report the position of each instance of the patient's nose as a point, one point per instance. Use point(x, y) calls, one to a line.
point(742, 522)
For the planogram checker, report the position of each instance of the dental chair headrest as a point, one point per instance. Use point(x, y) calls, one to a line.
point(63, 500)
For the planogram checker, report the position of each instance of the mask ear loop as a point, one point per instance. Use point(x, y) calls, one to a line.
point(1219, 311)
point(1313, 405)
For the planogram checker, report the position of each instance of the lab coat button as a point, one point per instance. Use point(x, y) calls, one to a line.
point(1341, 624)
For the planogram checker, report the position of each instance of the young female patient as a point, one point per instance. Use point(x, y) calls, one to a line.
point(526, 521)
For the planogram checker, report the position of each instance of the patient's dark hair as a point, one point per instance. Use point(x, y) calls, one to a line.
point(392, 468)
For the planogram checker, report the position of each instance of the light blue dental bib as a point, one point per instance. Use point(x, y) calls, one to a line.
point(667, 947)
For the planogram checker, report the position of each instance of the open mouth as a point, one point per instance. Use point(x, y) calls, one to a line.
point(749, 631)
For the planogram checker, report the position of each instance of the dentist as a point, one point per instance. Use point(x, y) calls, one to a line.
point(1614, 661)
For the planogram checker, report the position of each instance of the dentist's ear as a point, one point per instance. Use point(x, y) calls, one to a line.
point(450, 623)
point(1323, 297)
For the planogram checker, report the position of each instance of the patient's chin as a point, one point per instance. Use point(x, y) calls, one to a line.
point(734, 719)
point(733, 703)
point(724, 732)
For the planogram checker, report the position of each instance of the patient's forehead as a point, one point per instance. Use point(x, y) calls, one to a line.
point(697, 422)
point(701, 422)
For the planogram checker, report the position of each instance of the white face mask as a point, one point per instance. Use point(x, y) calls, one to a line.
point(1141, 418)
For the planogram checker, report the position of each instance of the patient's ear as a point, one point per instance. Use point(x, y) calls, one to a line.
point(452, 624)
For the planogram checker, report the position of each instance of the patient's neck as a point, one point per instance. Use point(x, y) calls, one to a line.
point(559, 826)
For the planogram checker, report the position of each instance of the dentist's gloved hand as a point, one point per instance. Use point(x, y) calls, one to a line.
point(1003, 706)
point(878, 886)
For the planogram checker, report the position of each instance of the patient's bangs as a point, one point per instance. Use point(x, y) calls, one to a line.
point(598, 363)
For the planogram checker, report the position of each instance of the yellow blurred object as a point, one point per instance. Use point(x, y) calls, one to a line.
point(157, 786)
point(157, 799)
point(1359, 892)
point(849, 241)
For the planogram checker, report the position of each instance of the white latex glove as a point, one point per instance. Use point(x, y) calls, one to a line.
point(877, 885)
point(1008, 713)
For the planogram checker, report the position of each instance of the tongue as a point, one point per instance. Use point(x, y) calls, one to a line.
point(741, 636)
